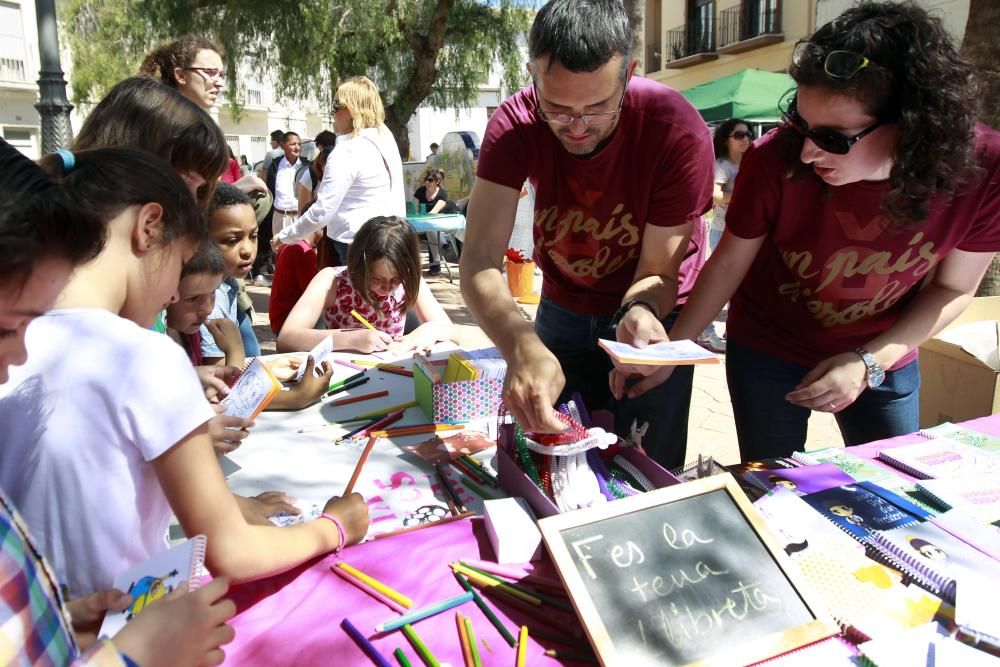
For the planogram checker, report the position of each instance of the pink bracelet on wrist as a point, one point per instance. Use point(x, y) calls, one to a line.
point(340, 530)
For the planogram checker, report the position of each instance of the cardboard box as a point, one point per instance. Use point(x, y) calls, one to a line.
point(956, 384)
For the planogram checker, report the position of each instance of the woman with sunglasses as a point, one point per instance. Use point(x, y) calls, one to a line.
point(435, 200)
point(856, 231)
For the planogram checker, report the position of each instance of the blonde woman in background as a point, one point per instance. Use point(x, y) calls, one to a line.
point(363, 177)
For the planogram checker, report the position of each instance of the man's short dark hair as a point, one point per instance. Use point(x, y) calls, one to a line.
point(325, 138)
point(434, 147)
point(286, 135)
point(581, 35)
point(277, 135)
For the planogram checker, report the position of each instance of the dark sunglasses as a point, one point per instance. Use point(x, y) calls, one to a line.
point(825, 140)
point(838, 64)
point(430, 180)
point(741, 134)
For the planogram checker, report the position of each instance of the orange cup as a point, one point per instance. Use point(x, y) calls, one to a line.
point(520, 278)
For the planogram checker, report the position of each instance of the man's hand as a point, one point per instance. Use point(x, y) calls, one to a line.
point(639, 328)
point(833, 385)
point(531, 387)
point(87, 613)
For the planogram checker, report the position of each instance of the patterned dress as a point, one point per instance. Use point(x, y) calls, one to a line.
point(390, 316)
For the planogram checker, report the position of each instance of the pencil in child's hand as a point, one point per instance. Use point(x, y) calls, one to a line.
point(359, 318)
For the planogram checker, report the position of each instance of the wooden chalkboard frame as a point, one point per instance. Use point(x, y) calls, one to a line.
point(759, 649)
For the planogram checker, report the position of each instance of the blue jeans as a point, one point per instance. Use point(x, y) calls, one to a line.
point(768, 426)
point(250, 344)
point(572, 338)
point(342, 249)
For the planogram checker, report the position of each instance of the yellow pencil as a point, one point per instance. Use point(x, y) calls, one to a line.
point(480, 580)
point(522, 647)
point(364, 362)
point(377, 585)
point(361, 319)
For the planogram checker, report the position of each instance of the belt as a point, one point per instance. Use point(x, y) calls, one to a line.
point(278, 210)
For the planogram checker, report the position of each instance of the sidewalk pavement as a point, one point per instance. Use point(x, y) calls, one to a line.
point(711, 430)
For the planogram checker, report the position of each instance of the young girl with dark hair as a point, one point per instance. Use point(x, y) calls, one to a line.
point(109, 418)
point(42, 237)
point(381, 282)
point(856, 231)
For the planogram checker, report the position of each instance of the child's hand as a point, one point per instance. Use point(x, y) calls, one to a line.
point(352, 512)
point(258, 510)
point(181, 629)
point(227, 432)
point(227, 336)
point(87, 613)
point(284, 368)
point(311, 387)
point(365, 340)
point(216, 380)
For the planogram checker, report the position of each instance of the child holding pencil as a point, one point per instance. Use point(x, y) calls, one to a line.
point(123, 442)
point(379, 285)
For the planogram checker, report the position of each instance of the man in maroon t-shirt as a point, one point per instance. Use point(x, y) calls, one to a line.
point(622, 168)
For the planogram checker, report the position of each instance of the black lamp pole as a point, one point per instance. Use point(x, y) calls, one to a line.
point(53, 105)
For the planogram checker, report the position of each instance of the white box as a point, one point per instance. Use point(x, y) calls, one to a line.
point(513, 533)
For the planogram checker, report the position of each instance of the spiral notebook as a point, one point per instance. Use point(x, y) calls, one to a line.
point(976, 495)
point(861, 469)
point(251, 392)
point(858, 511)
point(934, 558)
point(156, 578)
point(940, 457)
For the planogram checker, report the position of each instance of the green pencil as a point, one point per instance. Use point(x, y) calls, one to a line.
point(476, 661)
point(340, 383)
point(420, 647)
point(504, 632)
point(401, 657)
point(524, 589)
point(478, 490)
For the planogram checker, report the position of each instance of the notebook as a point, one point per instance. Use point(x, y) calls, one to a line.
point(940, 457)
point(858, 511)
point(806, 479)
point(985, 537)
point(156, 578)
point(252, 391)
point(934, 558)
point(988, 443)
point(669, 353)
point(976, 495)
point(860, 469)
point(924, 646)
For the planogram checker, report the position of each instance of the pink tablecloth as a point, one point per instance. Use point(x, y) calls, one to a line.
point(989, 425)
point(294, 618)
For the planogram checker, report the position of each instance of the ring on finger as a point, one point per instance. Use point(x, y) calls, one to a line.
point(833, 406)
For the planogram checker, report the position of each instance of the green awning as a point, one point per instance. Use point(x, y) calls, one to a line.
point(750, 94)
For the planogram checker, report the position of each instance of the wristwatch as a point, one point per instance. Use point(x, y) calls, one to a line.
point(628, 305)
point(874, 375)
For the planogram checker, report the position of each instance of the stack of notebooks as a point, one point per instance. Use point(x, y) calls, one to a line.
point(465, 387)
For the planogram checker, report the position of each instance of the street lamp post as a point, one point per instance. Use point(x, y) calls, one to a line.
point(53, 105)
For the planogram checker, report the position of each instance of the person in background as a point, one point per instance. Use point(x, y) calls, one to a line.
point(856, 231)
point(282, 180)
point(244, 165)
point(305, 193)
point(294, 268)
point(732, 139)
point(622, 171)
point(363, 178)
point(434, 199)
point(273, 154)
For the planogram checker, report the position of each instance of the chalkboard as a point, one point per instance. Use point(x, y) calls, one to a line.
point(686, 574)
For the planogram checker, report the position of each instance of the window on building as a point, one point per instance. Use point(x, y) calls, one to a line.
point(234, 143)
point(22, 139)
point(13, 66)
point(254, 97)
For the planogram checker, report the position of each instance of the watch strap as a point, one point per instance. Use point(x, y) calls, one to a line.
point(628, 305)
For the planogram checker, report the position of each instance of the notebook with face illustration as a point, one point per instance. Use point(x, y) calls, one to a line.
point(252, 392)
point(858, 511)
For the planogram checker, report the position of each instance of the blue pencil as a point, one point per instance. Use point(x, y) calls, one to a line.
point(423, 612)
point(365, 645)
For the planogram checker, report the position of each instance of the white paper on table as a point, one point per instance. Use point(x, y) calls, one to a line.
point(669, 353)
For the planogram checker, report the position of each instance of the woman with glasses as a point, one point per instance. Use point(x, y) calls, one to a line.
point(856, 231)
point(434, 199)
point(363, 177)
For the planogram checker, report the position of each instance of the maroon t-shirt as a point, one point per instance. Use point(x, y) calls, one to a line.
point(590, 212)
point(830, 275)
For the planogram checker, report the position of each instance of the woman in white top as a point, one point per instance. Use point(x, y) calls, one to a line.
point(363, 177)
point(732, 139)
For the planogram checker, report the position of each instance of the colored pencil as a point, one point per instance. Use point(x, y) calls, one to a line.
point(376, 584)
point(364, 644)
point(358, 399)
point(361, 464)
point(359, 318)
point(466, 469)
point(364, 362)
point(522, 647)
point(362, 431)
point(476, 661)
point(381, 412)
point(523, 575)
point(349, 364)
point(417, 429)
point(556, 620)
point(388, 602)
point(480, 467)
point(478, 490)
point(429, 524)
point(401, 657)
point(484, 580)
point(520, 587)
point(463, 639)
point(449, 494)
point(341, 383)
point(485, 608)
point(346, 386)
point(395, 369)
point(571, 657)
point(420, 647)
point(415, 615)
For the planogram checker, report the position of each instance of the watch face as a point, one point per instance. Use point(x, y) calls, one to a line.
point(875, 377)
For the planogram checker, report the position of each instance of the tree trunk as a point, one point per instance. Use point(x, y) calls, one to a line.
point(983, 49)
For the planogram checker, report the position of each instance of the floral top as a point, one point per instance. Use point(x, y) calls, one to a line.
point(390, 316)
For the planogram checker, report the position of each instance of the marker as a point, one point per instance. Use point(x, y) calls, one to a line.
point(365, 645)
point(420, 647)
point(522, 647)
point(424, 612)
point(359, 318)
point(377, 585)
point(487, 611)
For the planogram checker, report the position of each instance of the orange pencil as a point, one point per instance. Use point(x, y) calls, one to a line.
point(416, 429)
point(361, 463)
point(463, 638)
point(358, 399)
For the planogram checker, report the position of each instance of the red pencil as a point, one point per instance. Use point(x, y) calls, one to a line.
point(395, 369)
point(358, 399)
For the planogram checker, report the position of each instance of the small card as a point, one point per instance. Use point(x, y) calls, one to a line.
point(670, 353)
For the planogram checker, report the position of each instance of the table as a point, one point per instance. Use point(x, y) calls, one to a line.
point(436, 224)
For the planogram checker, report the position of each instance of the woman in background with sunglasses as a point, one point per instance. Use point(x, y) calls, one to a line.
point(856, 231)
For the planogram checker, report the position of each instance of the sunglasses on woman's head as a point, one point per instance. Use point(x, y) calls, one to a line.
point(825, 140)
point(839, 64)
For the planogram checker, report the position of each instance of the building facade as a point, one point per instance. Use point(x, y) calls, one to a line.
point(19, 65)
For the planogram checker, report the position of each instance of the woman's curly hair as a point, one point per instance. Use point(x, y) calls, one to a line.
point(167, 56)
point(916, 80)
